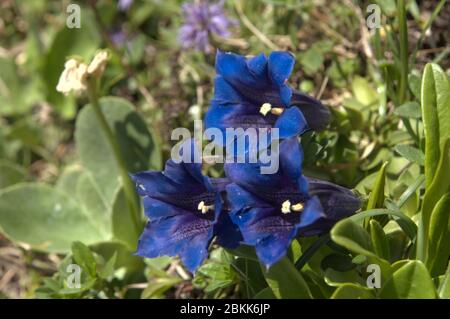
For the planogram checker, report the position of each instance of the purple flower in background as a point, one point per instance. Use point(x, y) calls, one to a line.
point(124, 5)
point(201, 19)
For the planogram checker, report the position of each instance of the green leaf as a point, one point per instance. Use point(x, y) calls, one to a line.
point(84, 258)
point(45, 218)
point(68, 180)
point(444, 285)
point(410, 281)
point(409, 110)
point(339, 262)
point(435, 102)
point(412, 154)
point(363, 91)
point(286, 282)
point(352, 291)
point(99, 210)
point(379, 241)
point(157, 288)
point(136, 144)
point(438, 242)
point(438, 187)
point(352, 236)
point(355, 238)
point(265, 293)
point(11, 174)
point(122, 224)
point(108, 269)
point(376, 198)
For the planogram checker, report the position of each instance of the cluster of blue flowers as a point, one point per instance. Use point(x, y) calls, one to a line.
point(202, 19)
point(187, 210)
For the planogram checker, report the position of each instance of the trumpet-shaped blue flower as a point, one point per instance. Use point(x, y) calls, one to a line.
point(271, 210)
point(254, 93)
point(184, 208)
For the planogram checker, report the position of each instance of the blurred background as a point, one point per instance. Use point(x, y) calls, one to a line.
point(166, 73)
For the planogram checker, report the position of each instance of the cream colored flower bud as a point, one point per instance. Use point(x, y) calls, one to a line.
point(73, 78)
point(97, 66)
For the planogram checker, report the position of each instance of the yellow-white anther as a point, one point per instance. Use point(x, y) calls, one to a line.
point(265, 108)
point(286, 207)
point(204, 208)
point(297, 207)
point(276, 110)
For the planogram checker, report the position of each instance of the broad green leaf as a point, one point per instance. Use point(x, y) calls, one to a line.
point(136, 144)
point(409, 110)
point(336, 278)
point(353, 237)
point(352, 291)
point(286, 282)
point(412, 154)
point(435, 102)
point(439, 234)
point(83, 256)
point(99, 210)
point(68, 180)
point(410, 281)
point(11, 174)
point(45, 218)
point(380, 243)
point(338, 262)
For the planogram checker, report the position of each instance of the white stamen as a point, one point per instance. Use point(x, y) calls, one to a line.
point(265, 108)
point(204, 208)
point(286, 207)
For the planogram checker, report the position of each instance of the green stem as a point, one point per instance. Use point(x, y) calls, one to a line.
point(130, 194)
point(401, 9)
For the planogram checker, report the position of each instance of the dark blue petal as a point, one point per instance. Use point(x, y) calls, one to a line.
point(228, 234)
point(181, 233)
point(224, 93)
point(285, 95)
point(240, 198)
point(312, 218)
point(281, 65)
point(268, 230)
point(291, 157)
point(291, 123)
point(189, 170)
point(338, 202)
point(233, 68)
point(196, 251)
point(274, 247)
point(258, 65)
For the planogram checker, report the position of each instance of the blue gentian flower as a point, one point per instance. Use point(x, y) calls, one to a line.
point(271, 210)
point(202, 19)
point(184, 208)
point(254, 93)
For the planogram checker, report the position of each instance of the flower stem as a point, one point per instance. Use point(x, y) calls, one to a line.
point(401, 9)
point(132, 202)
